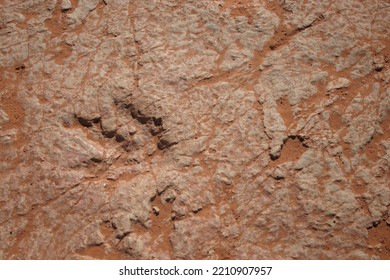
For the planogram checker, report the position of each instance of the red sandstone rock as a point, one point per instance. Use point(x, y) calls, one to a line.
point(194, 129)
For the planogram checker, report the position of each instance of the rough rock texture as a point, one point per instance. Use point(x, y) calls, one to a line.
point(194, 129)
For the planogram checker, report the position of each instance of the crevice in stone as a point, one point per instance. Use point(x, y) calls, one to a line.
point(84, 122)
point(154, 124)
point(313, 23)
point(300, 138)
point(165, 144)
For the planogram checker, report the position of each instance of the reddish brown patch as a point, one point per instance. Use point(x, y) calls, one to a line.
point(10, 104)
point(363, 204)
point(359, 186)
point(162, 225)
point(230, 3)
point(335, 121)
point(107, 230)
point(292, 150)
point(56, 24)
point(284, 109)
point(191, 53)
point(379, 240)
point(10, 80)
point(100, 253)
point(100, 8)
point(12, 107)
point(64, 52)
point(161, 229)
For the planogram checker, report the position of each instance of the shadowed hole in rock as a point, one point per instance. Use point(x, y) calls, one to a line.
point(85, 122)
point(142, 119)
point(96, 120)
point(20, 68)
point(164, 144)
point(109, 134)
point(138, 115)
point(97, 160)
point(300, 138)
point(157, 121)
point(119, 138)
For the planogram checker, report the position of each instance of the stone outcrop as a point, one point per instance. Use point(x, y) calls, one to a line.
point(194, 129)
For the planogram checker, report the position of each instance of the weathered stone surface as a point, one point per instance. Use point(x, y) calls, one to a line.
point(194, 129)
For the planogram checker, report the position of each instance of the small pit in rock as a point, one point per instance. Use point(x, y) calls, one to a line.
point(292, 149)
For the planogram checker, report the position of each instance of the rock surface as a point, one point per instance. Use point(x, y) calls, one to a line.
point(194, 129)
